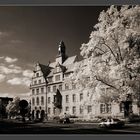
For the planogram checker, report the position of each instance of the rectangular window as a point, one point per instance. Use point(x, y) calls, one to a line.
point(74, 98)
point(67, 108)
point(33, 91)
point(49, 89)
point(73, 86)
point(57, 78)
point(67, 98)
point(35, 82)
point(54, 110)
point(39, 81)
point(42, 100)
point(37, 74)
point(67, 75)
point(81, 96)
point(102, 108)
point(42, 90)
point(108, 108)
point(66, 87)
point(89, 109)
point(121, 107)
point(81, 109)
point(74, 110)
point(60, 87)
point(37, 91)
point(54, 88)
point(49, 100)
point(49, 110)
point(33, 101)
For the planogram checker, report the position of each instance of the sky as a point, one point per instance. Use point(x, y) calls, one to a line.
point(30, 34)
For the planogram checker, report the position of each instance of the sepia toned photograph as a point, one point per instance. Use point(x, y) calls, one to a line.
point(70, 69)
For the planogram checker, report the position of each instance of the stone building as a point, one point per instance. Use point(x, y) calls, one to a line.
point(52, 96)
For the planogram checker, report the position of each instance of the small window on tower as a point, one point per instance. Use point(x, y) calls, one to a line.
point(37, 74)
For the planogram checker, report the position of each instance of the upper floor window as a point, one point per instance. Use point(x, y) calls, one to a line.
point(81, 96)
point(37, 100)
point(49, 100)
point(67, 108)
point(57, 69)
point(54, 88)
point(57, 78)
point(73, 86)
point(74, 98)
point(42, 100)
point(49, 89)
point(89, 108)
point(33, 91)
point(67, 98)
point(37, 74)
point(33, 101)
point(60, 87)
point(66, 86)
point(37, 91)
point(42, 90)
point(40, 81)
point(67, 75)
point(35, 82)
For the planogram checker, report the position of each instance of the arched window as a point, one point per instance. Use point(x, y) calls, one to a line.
point(37, 100)
point(42, 100)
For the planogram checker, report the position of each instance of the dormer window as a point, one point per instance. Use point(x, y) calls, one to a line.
point(50, 79)
point(57, 69)
point(57, 78)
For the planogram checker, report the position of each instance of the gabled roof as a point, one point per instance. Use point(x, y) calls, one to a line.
point(45, 69)
point(70, 60)
point(53, 64)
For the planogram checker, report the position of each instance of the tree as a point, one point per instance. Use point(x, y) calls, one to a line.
point(13, 107)
point(112, 56)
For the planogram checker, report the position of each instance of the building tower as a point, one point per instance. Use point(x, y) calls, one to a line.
point(61, 57)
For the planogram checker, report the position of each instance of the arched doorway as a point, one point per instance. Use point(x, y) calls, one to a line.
point(42, 115)
point(33, 115)
point(37, 114)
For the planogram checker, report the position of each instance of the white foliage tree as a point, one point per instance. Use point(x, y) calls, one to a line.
point(111, 65)
point(13, 107)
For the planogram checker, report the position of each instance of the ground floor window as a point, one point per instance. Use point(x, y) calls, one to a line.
point(81, 109)
point(105, 108)
point(121, 107)
point(74, 109)
point(49, 110)
point(89, 108)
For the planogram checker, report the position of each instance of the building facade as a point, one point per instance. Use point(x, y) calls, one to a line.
point(51, 95)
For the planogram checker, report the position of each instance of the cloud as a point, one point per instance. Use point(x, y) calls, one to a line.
point(10, 60)
point(2, 77)
point(20, 81)
point(1, 57)
point(6, 70)
point(27, 73)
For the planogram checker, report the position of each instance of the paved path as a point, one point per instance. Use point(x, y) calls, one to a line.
point(15, 127)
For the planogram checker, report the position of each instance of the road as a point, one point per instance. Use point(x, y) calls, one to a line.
point(16, 127)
